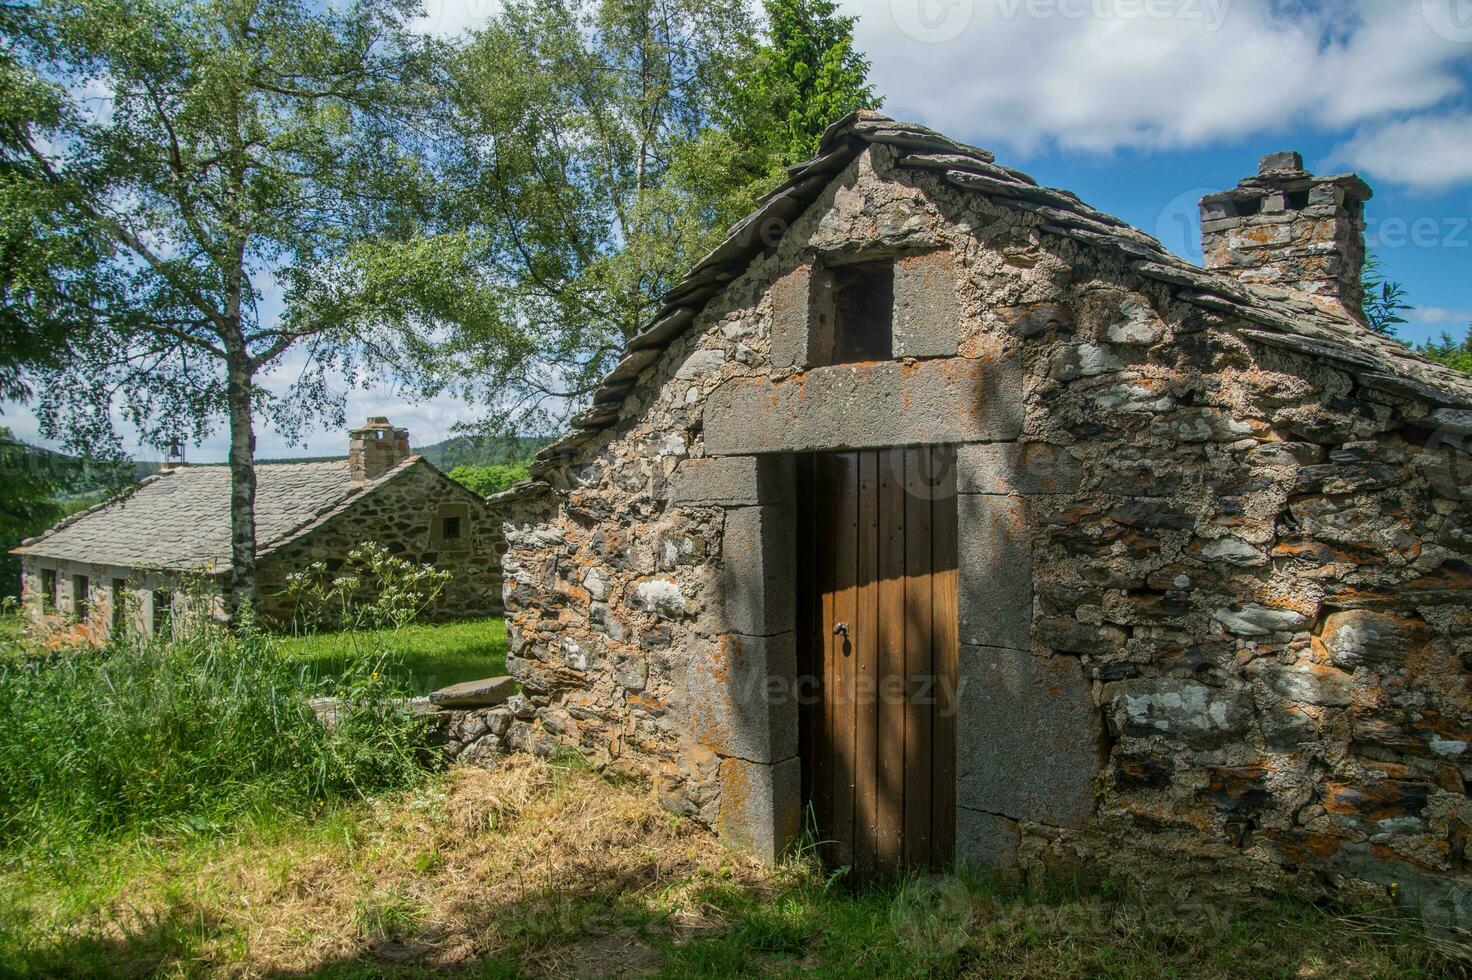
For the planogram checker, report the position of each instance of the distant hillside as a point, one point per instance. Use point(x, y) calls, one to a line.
point(473, 451)
point(457, 451)
point(77, 478)
point(80, 478)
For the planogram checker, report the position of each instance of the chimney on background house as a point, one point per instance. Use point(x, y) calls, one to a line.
point(376, 448)
point(1287, 228)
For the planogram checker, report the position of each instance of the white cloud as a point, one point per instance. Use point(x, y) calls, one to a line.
point(1428, 152)
point(447, 18)
point(1099, 75)
point(1440, 315)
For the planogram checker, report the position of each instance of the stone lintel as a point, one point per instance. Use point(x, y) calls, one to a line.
point(1029, 747)
point(874, 404)
point(995, 584)
point(732, 481)
point(741, 696)
point(761, 806)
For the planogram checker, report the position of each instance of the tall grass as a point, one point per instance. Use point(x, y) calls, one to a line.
point(189, 735)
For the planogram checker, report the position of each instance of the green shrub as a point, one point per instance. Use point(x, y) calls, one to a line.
point(189, 735)
point(486, 480)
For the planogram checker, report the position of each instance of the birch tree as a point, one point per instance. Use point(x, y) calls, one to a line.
point(249, 177)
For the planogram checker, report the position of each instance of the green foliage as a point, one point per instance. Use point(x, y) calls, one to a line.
point(380, 593)
point(1385, 301)
point(602, 187)
point(186, 736)
point(486, 480)
point(1448, 351)
point(788, 90)
point(28, 484)
point(479, 451)
point(626, 135)
point(182, 156)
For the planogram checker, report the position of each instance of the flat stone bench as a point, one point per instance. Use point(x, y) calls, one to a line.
point(473, 716)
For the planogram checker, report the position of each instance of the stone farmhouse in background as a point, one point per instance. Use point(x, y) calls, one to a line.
point(963, 516)
point(162, 551)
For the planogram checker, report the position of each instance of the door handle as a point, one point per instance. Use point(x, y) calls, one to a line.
point(840, 629)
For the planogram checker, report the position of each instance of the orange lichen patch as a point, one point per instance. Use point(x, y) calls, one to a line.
point(1385, 799)
point(1305, 845)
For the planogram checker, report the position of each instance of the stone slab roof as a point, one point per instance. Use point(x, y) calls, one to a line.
point(1280, 318)
point(180, 520)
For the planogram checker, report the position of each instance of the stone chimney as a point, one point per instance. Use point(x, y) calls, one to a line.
point(376, 448)
point(1287, 228)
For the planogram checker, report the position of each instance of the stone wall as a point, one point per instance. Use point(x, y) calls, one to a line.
point(404, 516)
point(1214, 597)
point(141, 589)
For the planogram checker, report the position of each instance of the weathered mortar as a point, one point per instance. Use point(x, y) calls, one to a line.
point(1249, 575)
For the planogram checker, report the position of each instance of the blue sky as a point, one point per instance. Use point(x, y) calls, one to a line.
point(1140, 107)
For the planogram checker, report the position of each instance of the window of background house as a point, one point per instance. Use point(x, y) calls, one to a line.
point(81, 597)
point(163, 612)
point(450, 528)
point(863, 312)
point(50, 588)
point(117, 602)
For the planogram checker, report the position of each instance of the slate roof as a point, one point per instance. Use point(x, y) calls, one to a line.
point(180, 519)
point(1280, 318)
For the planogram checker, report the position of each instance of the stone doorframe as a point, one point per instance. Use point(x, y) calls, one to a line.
point(742, 686)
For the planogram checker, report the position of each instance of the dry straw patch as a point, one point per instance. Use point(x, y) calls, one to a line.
point(539, 861)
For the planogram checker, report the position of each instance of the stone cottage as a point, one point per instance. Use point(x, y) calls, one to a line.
point(161, 552)
point(965, 518)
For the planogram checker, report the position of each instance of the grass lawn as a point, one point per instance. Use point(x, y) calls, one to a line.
point(430, 655)
point(546, 869)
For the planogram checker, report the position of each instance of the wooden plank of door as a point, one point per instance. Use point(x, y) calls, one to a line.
point(891, 670)
point(824, 514)
point(946, 630)
point(809, 649)
point(919, 668)
point(865, 628)
point(847, 766)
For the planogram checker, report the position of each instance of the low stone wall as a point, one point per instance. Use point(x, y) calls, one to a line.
point(475, 734)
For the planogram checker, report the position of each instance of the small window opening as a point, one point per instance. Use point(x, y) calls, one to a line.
point(81, 597)
point(118, 602)
point(50, 589)
point(163, 612)
point(1244, 207)
point(863, 312)
point(1296, 200)
point(450, 528)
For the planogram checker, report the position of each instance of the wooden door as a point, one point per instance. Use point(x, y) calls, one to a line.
point(877, 647)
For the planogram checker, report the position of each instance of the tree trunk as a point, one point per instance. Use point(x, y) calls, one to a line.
point(242, 482)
